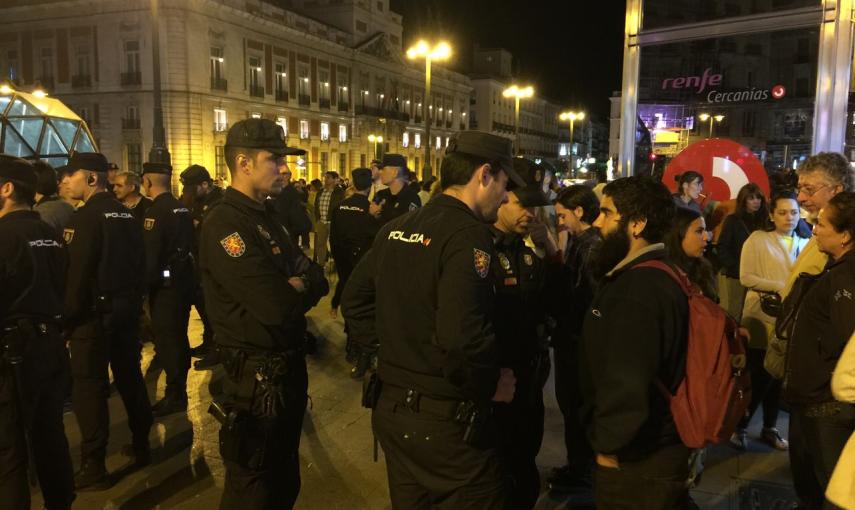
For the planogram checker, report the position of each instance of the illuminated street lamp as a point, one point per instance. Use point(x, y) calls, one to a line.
point(518, 93)
point(572, 117)
point(706, 116)
point(375, 140)
point(439, 52)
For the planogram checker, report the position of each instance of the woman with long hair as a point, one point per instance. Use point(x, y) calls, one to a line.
point(767, 259)
point(690, 184)
point(751, 215)
point(686, 242)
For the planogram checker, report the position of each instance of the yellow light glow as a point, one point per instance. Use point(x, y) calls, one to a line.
point(441, 51)
point(6, 89)
point(379, 139)
point(422, 49)
point(571, 116)
point(40, 93)
point(510, 91)
point(519, 92)
point(719, 118)
point(704, 117)
point(580, 116)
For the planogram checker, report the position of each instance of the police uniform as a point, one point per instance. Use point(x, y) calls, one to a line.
point(519, 319)
point(202, 205)
point(352, 230)
point(171, 284)
point(34, 370)
point(405, 201)
point(247, 259)
point(103, 301)
point(426, 292)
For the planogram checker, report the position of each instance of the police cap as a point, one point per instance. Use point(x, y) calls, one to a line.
point(361, 178)
point(157, 168)
point(491, 147)
point(260, 134)
point(530, 195)
point(91, 161)
point(18, 170)
point(194, 175)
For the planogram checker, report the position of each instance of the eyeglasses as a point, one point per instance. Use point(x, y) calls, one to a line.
point(809, 191)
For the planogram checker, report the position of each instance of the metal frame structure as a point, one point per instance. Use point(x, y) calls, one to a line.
point(833, 17)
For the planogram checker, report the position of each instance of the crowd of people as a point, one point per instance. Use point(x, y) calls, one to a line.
point(459, 296)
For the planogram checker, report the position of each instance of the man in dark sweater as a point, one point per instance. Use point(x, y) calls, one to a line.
point(634, 341)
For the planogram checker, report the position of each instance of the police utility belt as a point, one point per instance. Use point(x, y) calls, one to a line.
point(269, 369)
point(468, 413)
point(14, 333)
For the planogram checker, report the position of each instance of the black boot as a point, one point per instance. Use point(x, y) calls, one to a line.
point(92, 476)
point(140, 454)
point(169, 405)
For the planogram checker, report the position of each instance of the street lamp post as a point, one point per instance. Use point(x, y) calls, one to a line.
point(375, 140)
point(706, 116)
point(572, 117)
point(517, 93)
point(441, 51)
point(159, 152)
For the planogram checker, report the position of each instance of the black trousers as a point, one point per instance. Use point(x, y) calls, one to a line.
point(170, 314)
point(96, 345)
point(276, 484)
point(344, 264)
point(815, 447)
point(520, 435)
point(580, 456)
point(657, 482)
point(45, 377)
point(199, 303)
point(430, 467)
point(765, 390)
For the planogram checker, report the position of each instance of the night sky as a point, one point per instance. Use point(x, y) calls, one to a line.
point(571, 53)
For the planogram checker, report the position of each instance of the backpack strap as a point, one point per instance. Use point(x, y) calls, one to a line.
point(678, 276)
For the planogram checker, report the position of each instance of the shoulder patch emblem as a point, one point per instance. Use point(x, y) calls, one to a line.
point(503, 260)
point(148, 223)
point(482, 263)
point(68, 235)
point(234, 245)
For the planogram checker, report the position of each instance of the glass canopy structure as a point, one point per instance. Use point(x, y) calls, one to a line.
point(40, 127)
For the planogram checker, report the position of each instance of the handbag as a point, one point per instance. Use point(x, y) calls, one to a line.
point(775, 361)
point(770, 302)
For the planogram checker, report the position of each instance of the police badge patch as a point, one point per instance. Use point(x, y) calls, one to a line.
point(234, 245)
point(482, 263)
point(68, 235)
point(527, 259)
point(148, 224)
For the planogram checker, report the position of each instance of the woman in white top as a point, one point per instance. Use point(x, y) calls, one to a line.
point(766, 261)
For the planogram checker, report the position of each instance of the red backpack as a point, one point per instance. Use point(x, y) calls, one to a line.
point(716, 391)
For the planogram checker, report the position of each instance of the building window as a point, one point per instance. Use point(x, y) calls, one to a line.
point(83, 61)
point(46, 63)
point(342, 133)
point(325, 161)
point(132, 56)
point(303, 85)
point(11, 67)
point(281, 82)
point(362, 160)
point(283, 123)
point(342, 162)
point(438, 142)
point(218, 80)
point(132, 118)
point(405, 139)
point(255, 77)
point(324, 81)
point(325, 131)
point(446, 141)
point(304, 129)
point(134, 157)
point(418, 140)
point(220, 162)
point(220, 120)
point(361, 26)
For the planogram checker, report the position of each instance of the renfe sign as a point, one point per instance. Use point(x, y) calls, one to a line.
point(699, 83)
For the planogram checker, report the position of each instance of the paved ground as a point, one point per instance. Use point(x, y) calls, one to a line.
point(336, 450)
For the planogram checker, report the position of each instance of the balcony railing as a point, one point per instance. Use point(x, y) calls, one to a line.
point(324, 103)
point(282, 96)
point(343, 107)
point(133, 123)
point(220, 127)
point(131, 78)
point(418, 119)
point(219, 84)
point(256, 91)
point(304, 99)
point(83, 80)
point(382, 113)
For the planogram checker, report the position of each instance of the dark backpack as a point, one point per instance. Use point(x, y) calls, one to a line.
point(716, 391)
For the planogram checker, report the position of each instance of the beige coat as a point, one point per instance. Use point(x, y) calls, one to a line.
point(841, 488)
point(810, 261)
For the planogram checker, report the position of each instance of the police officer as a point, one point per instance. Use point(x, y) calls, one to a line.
point(398, 198)
point(171, 282)
point(427, 286)
point(258, 286)
point(202, 196)
point(520, 322)
point(103, 302)
point(34, 371)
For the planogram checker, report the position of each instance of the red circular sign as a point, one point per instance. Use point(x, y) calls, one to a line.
point(725, 165)
point(778, 91)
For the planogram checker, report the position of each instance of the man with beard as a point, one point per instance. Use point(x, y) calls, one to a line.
point(425, 293)
point(634, 342)
point(201, 196)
